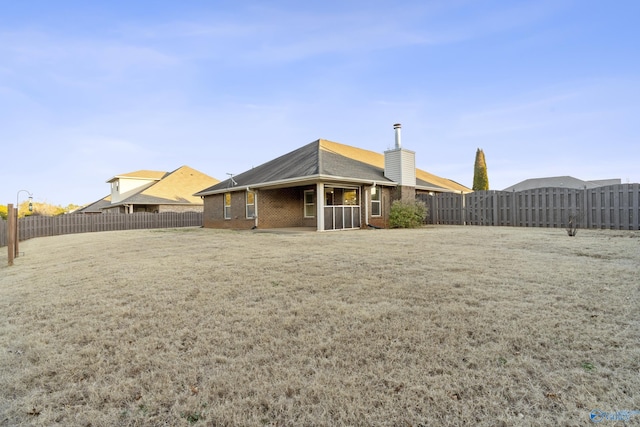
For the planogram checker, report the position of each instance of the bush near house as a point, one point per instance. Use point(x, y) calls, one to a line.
point(407, 214)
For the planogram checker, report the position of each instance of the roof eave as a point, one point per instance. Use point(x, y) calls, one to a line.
point(133, 177)
point(298, 180)
point(437, 189)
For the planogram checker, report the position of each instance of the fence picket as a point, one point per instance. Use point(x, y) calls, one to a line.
point(43, 226)
point(613, 207)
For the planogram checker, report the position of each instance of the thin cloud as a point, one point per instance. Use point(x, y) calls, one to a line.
point(104, 56)
point(268, 35)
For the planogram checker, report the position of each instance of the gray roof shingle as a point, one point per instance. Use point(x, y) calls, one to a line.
point(325, 159)
point(307, 161)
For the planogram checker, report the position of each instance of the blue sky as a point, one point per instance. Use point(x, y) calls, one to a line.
point(89, 90)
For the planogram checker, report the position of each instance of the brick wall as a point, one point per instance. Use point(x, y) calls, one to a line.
point(385, 207)
point(214, 212)
point(283, 208)
point(279, 208)
point(403, 192)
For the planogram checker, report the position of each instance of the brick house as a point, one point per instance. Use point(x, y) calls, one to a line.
point(153, 191)
point(323, 185)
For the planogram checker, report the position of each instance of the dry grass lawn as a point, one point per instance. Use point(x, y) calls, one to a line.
point(437, 326)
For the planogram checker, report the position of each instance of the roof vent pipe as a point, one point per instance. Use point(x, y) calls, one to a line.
point(397, 127)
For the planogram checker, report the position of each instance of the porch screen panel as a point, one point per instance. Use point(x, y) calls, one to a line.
point(328, 218)
point(339, 213)
point(347, 213)
point(356, 217)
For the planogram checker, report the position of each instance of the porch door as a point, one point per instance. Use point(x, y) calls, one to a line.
point(342, 208)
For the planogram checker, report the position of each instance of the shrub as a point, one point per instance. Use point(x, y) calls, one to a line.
point(574, 223)
point(407, 214)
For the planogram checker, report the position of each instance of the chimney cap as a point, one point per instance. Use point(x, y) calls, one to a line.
point(397, 125)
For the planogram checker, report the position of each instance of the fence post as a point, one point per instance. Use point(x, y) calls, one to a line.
point(513, 208)
point(16, 241)
point(11, 217)
point(496, 212)
point(635, 205)
point(586, 211)
point(435, 209)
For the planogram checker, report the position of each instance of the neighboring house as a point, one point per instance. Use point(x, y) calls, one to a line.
point(323, 185)
point(95, 207)
point(561, 181)
point(154, 191)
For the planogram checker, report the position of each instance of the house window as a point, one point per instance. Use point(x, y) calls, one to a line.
point(309, 204)
point(227, 206)
point(375, 201)
point(251, 204)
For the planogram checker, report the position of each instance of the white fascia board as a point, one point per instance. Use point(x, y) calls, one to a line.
point(333, 178)
point(133, 177)
point(300, 180)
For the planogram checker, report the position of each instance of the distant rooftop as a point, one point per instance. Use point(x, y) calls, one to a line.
point(562, 182)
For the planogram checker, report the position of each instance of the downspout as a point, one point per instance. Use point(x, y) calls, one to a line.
point(255, 208)
point(366, 205)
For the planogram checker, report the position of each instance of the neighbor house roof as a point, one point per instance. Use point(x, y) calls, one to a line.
point(175, 187)
point(560, 181)
point(97, 206)
point(325, 160)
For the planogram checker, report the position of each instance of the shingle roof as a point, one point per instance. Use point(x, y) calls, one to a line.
point(323, 158)
point(424, 178)
point(97, 206)
point(175, 187)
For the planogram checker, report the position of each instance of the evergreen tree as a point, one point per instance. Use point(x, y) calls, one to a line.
point(480, 177)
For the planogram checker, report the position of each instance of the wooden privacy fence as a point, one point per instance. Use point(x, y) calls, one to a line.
point(41, 226)
point(612, 207)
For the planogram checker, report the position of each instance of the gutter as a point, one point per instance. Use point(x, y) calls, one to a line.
point(306, 179)
point(436, 189)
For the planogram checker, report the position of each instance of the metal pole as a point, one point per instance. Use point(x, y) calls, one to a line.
point(17, 236)
point(17, 239)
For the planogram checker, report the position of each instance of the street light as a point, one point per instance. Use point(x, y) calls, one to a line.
point(30, 199)
point(17, 239)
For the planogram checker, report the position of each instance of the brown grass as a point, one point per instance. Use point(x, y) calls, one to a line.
point(437, 326)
